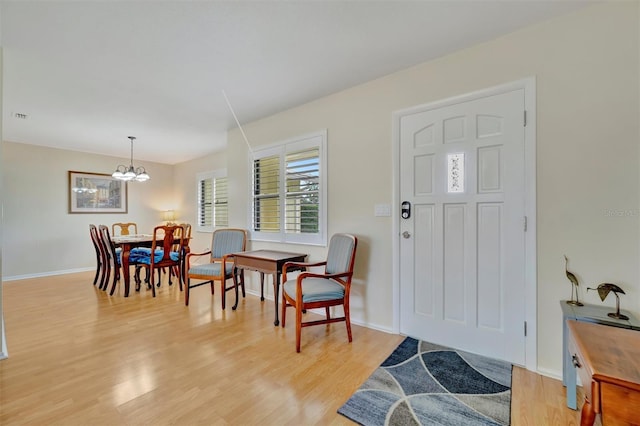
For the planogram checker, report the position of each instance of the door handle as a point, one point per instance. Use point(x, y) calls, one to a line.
point(406, 234)
point(576, 361)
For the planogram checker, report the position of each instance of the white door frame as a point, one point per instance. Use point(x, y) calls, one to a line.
point(529, 86)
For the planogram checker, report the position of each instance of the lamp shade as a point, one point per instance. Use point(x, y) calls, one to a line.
point(168, 215)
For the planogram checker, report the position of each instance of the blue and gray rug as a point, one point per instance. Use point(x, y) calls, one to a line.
point(425, 384)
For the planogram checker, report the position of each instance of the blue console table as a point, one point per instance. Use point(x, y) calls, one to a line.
point(588, 313)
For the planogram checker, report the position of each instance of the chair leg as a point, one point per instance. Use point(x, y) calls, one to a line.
point(186, 292)
point(347, 320)
point(327, 311)
point(224, 293)
point(116, 278)
point(298, 326)
point(152, 282)
point(283, 315)
point(105, 278)
point(136, 277)
point(98, 270)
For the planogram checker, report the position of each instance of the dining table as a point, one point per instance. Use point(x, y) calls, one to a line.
point(129, 242)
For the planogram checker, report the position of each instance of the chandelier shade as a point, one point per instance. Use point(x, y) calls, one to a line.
point(129, 173)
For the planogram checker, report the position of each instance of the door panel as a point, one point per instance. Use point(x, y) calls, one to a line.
point(462, 262)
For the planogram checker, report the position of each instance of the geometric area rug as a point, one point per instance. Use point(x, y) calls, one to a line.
point(421, 383)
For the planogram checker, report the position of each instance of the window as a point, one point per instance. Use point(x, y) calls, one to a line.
point(455, 173)
point(213, 210)
point(289, 191)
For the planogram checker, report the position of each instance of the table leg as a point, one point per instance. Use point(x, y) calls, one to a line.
point(571, 386)
point(588, 415)
point(276, 288)
point(568, 370)
point(262, 286)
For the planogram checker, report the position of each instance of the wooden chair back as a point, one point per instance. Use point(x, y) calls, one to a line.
point(227, 241)
point(164, 238)
point(110, 258)
point(95, 239)
point(122, 228)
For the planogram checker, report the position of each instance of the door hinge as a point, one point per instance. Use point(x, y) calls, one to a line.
point(525, 224)
point(525, 329)
point(525, 118)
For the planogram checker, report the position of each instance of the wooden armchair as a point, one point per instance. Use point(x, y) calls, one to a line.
point(224, 242)
point(313, 290)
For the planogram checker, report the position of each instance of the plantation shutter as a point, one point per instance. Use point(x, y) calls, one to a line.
point(213, 200)
point(205, 202)
point(266, 194)
point(302, 191)
point(220, 200)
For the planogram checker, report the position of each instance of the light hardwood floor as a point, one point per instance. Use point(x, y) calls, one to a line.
point(80, 357)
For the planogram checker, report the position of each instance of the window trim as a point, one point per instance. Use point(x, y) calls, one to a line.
point(281, 149)
point(215, 174)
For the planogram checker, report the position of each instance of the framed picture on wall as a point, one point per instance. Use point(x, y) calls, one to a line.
point(96, 193)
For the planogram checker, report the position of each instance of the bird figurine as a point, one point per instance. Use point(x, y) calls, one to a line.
point(603, 291)
point(574, 284)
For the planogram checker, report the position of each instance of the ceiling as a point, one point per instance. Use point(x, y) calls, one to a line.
point(89, 74)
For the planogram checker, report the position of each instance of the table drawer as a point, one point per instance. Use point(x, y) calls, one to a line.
point(620, 405)
point(582, 370)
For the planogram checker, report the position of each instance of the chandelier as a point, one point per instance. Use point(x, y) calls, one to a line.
point(131, 173)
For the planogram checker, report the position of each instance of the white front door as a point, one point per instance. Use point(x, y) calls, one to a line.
point(462, 249)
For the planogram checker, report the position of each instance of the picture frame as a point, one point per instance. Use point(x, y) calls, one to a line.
point(96, 193)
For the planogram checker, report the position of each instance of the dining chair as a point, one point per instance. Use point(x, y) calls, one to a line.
point(122, 228)
point(311, 290)
point(178, 271)
point(111, 259)
point(95, 239)
point(161, 247)
point(224, 242)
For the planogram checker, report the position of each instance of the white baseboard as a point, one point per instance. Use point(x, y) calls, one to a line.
point(554, 374)
point(47, 274)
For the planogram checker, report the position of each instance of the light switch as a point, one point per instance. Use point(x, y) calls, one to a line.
point(382, 210)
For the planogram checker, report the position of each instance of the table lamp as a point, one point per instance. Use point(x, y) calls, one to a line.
point(168, 216)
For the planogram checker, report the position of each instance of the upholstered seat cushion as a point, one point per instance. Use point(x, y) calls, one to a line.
point(315, 289)
point(143, 255)
point(210, 269)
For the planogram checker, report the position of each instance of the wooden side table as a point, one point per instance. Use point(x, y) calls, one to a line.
point(267, 262)
point(607, 359)
point(588, 313)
